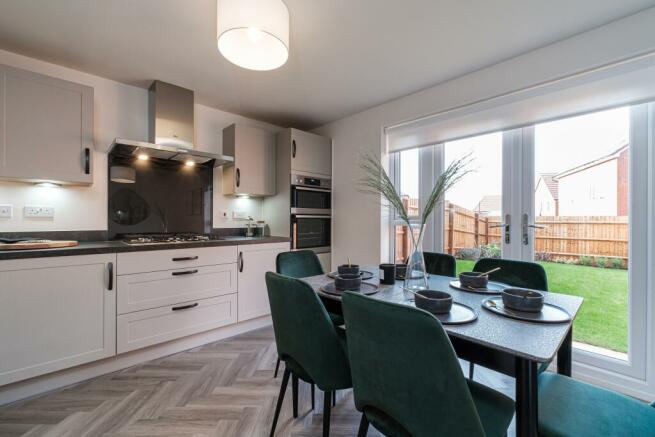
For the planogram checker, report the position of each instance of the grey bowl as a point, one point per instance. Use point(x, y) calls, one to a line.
point(433, 301)
point(346, 269)
point(522, 299)
point(473, 280)
point(348, 282)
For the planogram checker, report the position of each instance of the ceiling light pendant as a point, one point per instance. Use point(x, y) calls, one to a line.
point(253, 34)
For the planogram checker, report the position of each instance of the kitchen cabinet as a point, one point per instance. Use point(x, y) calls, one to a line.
point(310, 153)
point(46, 128)
point(253, 172)
point(253, 263)
point(56, 313)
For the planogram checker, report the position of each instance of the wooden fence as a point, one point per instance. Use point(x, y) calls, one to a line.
point(563, 237)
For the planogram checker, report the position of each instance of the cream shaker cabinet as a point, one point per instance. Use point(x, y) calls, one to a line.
point(56, 313)
point(310, 153)
point(253, 172)
point(46, 128)
point(254, 260)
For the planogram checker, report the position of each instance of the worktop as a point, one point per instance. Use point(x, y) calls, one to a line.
point(102, 247)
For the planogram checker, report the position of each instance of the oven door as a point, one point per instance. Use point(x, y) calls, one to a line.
point(309, 200)
point(311, 232)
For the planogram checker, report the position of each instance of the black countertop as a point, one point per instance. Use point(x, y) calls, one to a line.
point(99, 247)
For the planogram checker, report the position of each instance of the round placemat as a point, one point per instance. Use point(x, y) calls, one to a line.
point(549, 314)
point(366, 289)
point(459, 314)
point(492, 288)
point(365, 274)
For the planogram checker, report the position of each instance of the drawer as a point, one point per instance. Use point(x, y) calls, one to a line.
point(142, 291)
point(146, 328)
point(155, 260)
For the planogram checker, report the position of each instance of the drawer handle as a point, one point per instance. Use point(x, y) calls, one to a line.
point(186, 272)
point(186, 258)
point(110, 274)
point(185, 307)
point(240, 261)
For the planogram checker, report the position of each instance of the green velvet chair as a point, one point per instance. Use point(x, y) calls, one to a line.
point(307, 341)
point(440, 264)
point(568, 407)
point(406, 377)
point(521, 274)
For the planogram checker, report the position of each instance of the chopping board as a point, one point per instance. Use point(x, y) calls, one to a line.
point(38, 244)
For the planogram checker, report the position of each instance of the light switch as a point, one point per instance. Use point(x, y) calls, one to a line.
point(6, 211)
point(39, 211)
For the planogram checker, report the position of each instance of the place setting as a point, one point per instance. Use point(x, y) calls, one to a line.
point(477, 282)
point(526, 305)
point(441, 305)
point(349, 277)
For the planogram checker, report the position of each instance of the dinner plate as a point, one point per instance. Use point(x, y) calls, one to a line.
point(365, 274)
point(366, 289)
point(459, 314)
point(549, 314)
point(492, 287)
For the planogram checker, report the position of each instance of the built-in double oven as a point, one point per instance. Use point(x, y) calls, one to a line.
point(311, 213)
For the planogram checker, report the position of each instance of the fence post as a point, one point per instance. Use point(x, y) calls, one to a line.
point(476, 235)
point(486, 230)
point(451, 228)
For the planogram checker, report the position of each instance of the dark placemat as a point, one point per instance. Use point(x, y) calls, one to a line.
point(492, 288)
point(366, 289)
point(459, 314)
point(549, 314)
point(365, 274)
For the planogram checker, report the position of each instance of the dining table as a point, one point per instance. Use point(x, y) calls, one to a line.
point(512, 347)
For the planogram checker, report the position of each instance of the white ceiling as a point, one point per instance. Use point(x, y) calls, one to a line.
point(345, 55)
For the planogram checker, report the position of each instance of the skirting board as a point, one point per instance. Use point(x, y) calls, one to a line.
point(53, 381)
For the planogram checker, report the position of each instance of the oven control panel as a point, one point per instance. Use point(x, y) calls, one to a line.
point(309, 181)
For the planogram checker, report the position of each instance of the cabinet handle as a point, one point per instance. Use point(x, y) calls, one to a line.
point(186, 258)
point(238, 177)
point(293, 148)
point(240, 261)
point(87, 160)
point(186, 272)
point(110, 272)
point(185, 307)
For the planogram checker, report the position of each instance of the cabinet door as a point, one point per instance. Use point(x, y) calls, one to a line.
point(55, 313)
point(254, 162)
point(46, 128)
point(310, 153)
point(254, 261)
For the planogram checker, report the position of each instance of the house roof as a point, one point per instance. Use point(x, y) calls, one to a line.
point(551, 183)
point(613, 155)
point(490, 202)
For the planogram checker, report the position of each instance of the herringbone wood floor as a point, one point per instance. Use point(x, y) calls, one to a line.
point(219, 389)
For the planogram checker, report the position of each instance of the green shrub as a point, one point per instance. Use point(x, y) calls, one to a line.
point(491, 250)
point(602, 262)
point(471, 253)
point(616, 263)
point(543, 256)
point(585, 260)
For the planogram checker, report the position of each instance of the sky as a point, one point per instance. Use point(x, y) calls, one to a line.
point(559, 145)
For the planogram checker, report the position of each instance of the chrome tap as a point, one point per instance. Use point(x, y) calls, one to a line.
point(249, 227)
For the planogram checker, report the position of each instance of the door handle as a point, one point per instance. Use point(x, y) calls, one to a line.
point(238, 177)
point(87, 160)
point(506, 226)
point(186, 272)
point(110, 272)
point(293, 148)
point(240, 261)
point(525, 226)
point(185, 307)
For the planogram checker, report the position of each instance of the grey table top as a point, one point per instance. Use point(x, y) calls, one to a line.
point(537, 342)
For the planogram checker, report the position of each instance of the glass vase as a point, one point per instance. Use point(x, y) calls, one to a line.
point(416, 277)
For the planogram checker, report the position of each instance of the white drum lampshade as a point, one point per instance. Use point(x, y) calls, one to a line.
point(253, 34)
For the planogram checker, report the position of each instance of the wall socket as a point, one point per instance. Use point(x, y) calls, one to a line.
point(6, 211)
point(39, 211)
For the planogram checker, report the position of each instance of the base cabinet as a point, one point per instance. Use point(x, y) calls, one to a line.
point(254, 261)
point(55, 313)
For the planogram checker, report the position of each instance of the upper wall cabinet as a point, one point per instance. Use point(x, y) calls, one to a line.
point(253, 172)
point(46, 128)
point(310, 153)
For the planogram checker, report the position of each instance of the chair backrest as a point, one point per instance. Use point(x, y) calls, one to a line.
point(403, 366)
point(515, 273)
point(298, 264)
point(304, 333)
point(440, 263)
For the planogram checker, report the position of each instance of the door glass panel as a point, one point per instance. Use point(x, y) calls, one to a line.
point(581, 200)
point(409, 191)
point(473, 207)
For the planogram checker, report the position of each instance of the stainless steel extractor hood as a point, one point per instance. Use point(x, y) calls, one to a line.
point(170, 129)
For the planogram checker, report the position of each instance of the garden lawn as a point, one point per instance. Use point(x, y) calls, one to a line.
point(603, 318)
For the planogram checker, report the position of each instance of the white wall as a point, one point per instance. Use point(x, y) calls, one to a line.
point(357, 230)
point(592, 191)
point(121, 111)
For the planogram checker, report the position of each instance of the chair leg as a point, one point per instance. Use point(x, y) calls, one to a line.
point(280, 399)
point(313, 396)
point(471, 370)
point(334, 398)
point(294, 390)
point(327, 406)
point(277, 367)
point(363, 426)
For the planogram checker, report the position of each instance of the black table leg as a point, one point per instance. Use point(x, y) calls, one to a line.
point(526, 398)
point(565, 354)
